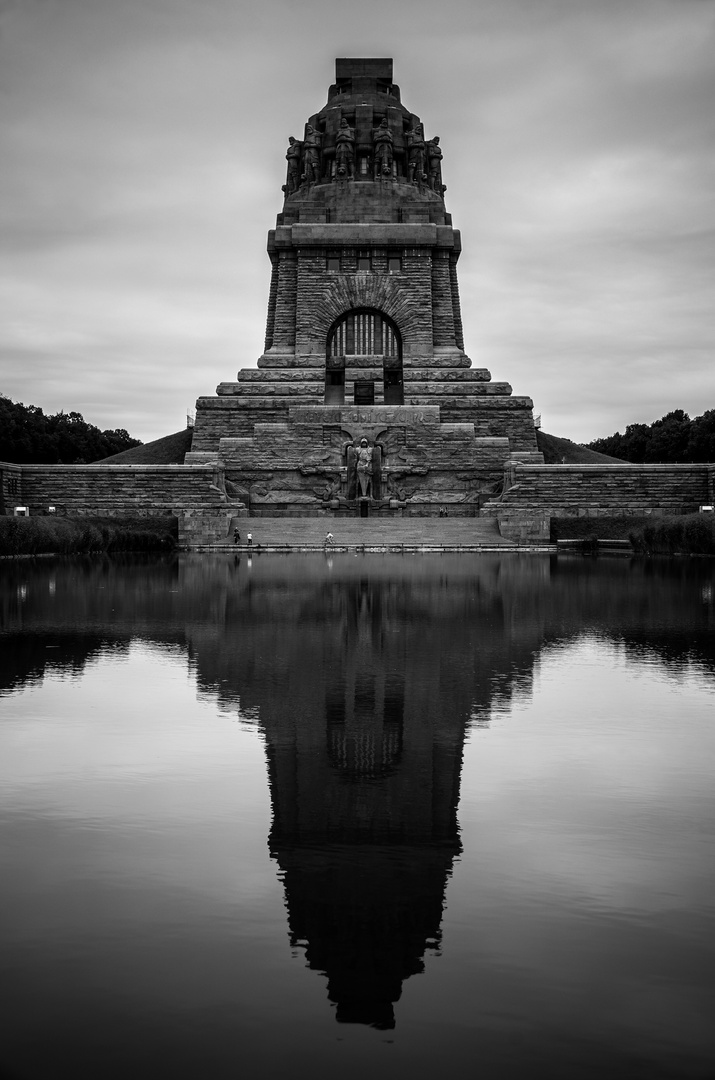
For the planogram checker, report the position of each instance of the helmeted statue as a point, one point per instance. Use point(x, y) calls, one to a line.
point(345, 150)
point(382, 142)
point(311, 155)
point(293, 156)
point(416, 153)
point(434, 167)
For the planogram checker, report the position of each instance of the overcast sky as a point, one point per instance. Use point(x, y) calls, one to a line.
point(142, 146)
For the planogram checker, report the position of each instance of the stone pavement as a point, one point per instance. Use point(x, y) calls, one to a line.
point(441, 533)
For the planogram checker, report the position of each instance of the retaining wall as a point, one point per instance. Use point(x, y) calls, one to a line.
point(192, 493)
point(117, 489)
point(536, 493)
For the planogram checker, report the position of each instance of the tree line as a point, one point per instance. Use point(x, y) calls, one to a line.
point(29, 437)
point(675, 439)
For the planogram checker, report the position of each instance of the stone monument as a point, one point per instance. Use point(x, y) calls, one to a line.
point(364, 401)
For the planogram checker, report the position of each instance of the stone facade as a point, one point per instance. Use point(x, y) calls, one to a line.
point(195, 494)
point(364, 332)
point(535, 494)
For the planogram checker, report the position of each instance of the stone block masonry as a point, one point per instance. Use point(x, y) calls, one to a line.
point(195, 494)
point(11, 489)
point(536, 493)
point(119, 489)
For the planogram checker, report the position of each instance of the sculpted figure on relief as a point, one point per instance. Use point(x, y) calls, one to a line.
point(364, 468)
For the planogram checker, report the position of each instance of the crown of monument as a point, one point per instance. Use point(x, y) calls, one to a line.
point(366, 137)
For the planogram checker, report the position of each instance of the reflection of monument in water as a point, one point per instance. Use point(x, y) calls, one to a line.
point(363, 678)
point(364, 791)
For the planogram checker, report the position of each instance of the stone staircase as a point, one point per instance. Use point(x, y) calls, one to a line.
point(440, 533)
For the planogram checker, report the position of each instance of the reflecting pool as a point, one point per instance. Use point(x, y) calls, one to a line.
point(357, 816)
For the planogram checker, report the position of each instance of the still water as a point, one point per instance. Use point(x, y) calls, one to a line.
point(374, 816)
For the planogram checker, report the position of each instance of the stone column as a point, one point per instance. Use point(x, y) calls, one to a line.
point(285, 309)
point(456, 306)
point(272, 296)
point(443, 330)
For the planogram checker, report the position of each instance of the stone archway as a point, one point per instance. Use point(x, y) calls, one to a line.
point(363, 364)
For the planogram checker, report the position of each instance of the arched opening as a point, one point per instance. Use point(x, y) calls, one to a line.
point(363, 362)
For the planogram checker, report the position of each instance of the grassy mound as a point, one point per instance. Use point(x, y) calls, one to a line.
point(169, 450)
point(76, 536)
point(564, 452)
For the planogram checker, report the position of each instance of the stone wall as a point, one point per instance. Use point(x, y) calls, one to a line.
point(113, 490)
point(539, 492)
point(310, 298)
point(269, 394)
point(10, 487)
point(200, 527)
point(300, 466)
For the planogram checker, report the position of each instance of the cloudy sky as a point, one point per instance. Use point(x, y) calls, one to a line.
point(143, 146)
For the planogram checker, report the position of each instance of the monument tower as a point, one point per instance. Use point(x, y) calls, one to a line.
point(364, 401)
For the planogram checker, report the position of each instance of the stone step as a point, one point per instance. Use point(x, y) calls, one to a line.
point(350, 532)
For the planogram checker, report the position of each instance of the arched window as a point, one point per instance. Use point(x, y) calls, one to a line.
point(366, 334)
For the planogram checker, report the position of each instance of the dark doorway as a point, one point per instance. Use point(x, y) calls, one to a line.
point(365, 393)
point(335, 386)
point(394, 391)
point(364, 508)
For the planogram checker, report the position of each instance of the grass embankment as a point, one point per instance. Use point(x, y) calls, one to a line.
point(602, 528)
point(691, 534)
point(563, 452)
point(169, 450)
point(688, 534)
point(77, 536)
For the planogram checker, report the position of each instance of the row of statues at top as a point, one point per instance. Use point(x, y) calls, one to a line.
point(424, 158)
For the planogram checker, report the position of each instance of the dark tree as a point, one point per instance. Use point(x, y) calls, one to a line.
point(29, 437)
point(675, 439)
point(701, 444)
point(669, 438)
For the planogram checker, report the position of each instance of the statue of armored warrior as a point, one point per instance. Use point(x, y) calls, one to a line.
point(311, 155)
point(364, 468)
point(382, 141)
point(293, 154)
point(434, 158)
point(416, 153)
point(345, 150)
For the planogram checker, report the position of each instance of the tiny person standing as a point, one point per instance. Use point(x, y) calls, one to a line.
point(249, 538)
point(236, 536)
